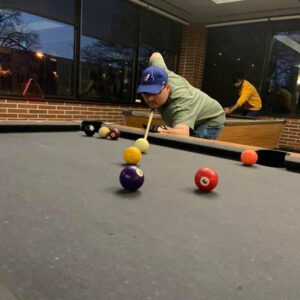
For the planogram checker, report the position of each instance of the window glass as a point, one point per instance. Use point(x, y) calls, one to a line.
point(267, 53)
point(160, 32)
point(146, 51)
point(37, 48)
point(62, 11)
point(106, 71)
point(233, 49)
point(114, 21)
point(37, 45)
point(282, 84)
point(110, 35)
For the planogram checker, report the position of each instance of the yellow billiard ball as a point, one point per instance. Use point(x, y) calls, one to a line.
point(103, 132)
point(132, 155)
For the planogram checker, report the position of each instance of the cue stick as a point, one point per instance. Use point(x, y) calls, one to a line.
point(148, 125)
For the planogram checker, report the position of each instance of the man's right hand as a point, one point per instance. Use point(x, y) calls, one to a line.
point(226, 110)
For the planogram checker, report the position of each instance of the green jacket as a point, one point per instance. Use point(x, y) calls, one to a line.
point(188, 105)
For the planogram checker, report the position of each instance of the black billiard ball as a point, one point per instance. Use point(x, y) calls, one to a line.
point(131, 178)
point(89, 130)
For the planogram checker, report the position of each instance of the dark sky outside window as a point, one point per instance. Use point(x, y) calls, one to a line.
point(55, 38)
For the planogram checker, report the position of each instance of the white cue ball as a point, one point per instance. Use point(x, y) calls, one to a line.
point(142, 144)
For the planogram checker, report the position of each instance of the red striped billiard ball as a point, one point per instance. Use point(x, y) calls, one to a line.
point(206, 179)
point(114, 133)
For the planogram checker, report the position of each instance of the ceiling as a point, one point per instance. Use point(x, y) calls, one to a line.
point(208, 12)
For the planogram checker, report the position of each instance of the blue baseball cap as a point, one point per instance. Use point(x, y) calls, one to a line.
point(152, 80)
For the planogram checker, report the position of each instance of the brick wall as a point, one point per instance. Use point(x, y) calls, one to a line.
point(290, 136)
point(192, 54)
point(57, 111)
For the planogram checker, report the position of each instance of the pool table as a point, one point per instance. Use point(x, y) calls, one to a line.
point(70, 231)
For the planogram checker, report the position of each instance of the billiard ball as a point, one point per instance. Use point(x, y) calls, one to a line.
point(114, 133)
point(249, 157)
point(132, 155)
point(131, 178)
point(142, 144)
point(89, 130)
point(103, 132)
point(206, 179)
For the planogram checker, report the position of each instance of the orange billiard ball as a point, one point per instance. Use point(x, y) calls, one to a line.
point(249, 157)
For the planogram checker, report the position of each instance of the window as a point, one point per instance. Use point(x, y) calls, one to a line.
point(106, 71)
point(61, 11)
point(282, 84)
point(110, 31)
point(112, 41)
point(159, 32)
point(158, 35)
point(37, 48)
point(269, 55)
point(146, 51)
point(233, 49)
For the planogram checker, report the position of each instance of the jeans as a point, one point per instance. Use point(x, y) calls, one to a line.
point(251, 113)
point(205, 131)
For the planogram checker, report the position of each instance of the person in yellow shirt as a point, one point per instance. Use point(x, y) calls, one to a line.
point(249, 98)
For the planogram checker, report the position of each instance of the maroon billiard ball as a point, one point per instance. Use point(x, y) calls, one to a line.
point(206, 179)
point(114, 133)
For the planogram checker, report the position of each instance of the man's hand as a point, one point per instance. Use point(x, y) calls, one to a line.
point(230, 110)
point(226, 110)
point(155, 128)
point(164, 129)
point(178, 129)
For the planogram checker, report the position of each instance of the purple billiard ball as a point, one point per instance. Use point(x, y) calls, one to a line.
point(131, 178)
